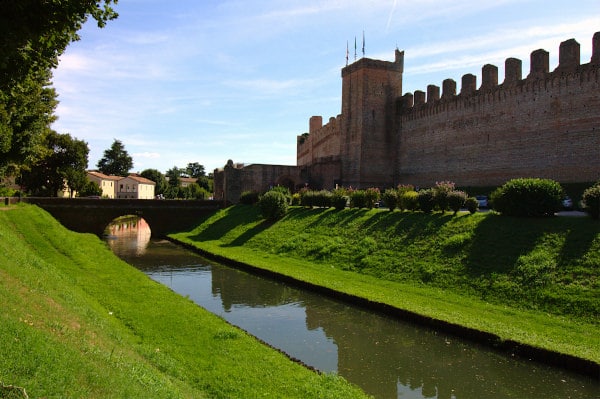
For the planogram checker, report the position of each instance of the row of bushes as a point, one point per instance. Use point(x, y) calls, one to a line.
point(518, 197)
point(442, 197)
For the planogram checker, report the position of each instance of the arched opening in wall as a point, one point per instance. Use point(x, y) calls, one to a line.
point(128, 236)
point(286, 181)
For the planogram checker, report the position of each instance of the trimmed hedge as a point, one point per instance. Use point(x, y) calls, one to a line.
point(528, 197)
point(273, 205)
point(249, 197)
point(426, 199)
point(591, 199)
point(472, 204)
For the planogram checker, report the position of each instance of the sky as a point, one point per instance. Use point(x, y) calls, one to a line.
point(211, 80)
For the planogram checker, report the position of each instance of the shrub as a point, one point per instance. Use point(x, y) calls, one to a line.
point(273, 205)
point(409, 200)
point(91, 188)
point(426, 199)
point(472, 204)
point(390, 197)
point(358, 199)
point(591, 200)
point(285, 191)
point(323, 199)
point(371, 197)
point(456, 199)
point(316, 198)
point(339, 198)
point(440, 193)
point(401, 202)
point(307, 198)
point(528, 197)
point(249, 197)
point(404, 188)
point(296, 197)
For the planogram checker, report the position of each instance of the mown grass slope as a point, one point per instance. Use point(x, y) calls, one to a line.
point(75, 321)
point(533, 281)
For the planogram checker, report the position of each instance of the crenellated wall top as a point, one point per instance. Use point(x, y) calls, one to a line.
point(317, 130)
point(569, 63)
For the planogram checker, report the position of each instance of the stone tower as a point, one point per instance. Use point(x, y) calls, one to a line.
point(370, 89)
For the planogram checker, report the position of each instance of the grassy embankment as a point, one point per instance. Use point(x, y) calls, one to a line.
point(533, 281)
point(75, 321)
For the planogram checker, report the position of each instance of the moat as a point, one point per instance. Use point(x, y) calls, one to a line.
point(386, 357)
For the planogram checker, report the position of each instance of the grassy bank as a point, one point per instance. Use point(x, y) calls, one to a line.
point(75, 321)
point(533, 281)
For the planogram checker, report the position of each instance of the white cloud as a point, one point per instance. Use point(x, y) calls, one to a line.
point(148, 155)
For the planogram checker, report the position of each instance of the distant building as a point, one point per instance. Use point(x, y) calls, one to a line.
point(135, 186)
point(108, 184)
point(187, 181)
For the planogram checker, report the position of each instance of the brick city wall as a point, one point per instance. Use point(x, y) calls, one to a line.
point(546, 125)
point(234, 179)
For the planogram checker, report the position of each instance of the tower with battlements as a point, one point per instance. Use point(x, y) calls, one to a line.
point(545, 124)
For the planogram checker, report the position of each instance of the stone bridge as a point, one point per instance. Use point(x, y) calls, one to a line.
point(90, 215)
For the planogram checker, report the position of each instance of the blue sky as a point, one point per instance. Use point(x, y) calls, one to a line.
point(207, 80)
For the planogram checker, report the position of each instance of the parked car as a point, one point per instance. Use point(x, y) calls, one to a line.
point(567, 203)
point(482, 200)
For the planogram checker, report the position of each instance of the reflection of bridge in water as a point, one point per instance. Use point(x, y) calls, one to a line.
point(90, 215)
point(132, 231)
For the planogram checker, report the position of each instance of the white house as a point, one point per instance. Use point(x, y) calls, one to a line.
point(135, 186)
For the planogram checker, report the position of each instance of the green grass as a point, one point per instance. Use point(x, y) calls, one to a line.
point(534, 281)
point(76, 321)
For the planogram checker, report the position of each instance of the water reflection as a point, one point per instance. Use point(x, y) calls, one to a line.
point(129, 234)
point(386, 357)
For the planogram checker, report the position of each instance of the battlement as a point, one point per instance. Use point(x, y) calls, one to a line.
point(321, 141)
point(568, 69)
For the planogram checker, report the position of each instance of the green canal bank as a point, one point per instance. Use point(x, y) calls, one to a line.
point(526, 286)
point(76, 321)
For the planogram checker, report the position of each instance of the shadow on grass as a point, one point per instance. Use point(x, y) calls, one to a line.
point(499, 241)
point(579, 240)
point(320, 217)
point(232, 218)
point(248, 234)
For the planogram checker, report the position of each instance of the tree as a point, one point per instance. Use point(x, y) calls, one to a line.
point(34, 33)
point(173, 176)
point(62, 165)
point(194, 191)
point(116, 161)
point(91, 188)
point(157, 177)
point(26, 113)
point(195, 170)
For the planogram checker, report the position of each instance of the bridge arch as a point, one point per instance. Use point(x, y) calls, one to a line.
point(91, 215)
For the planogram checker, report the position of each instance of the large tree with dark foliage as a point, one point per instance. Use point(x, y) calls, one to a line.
point(116, 161)
point(157, 177)
point(195, 170)
point(62, 164)
point(26, 113)
point(33, 34)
